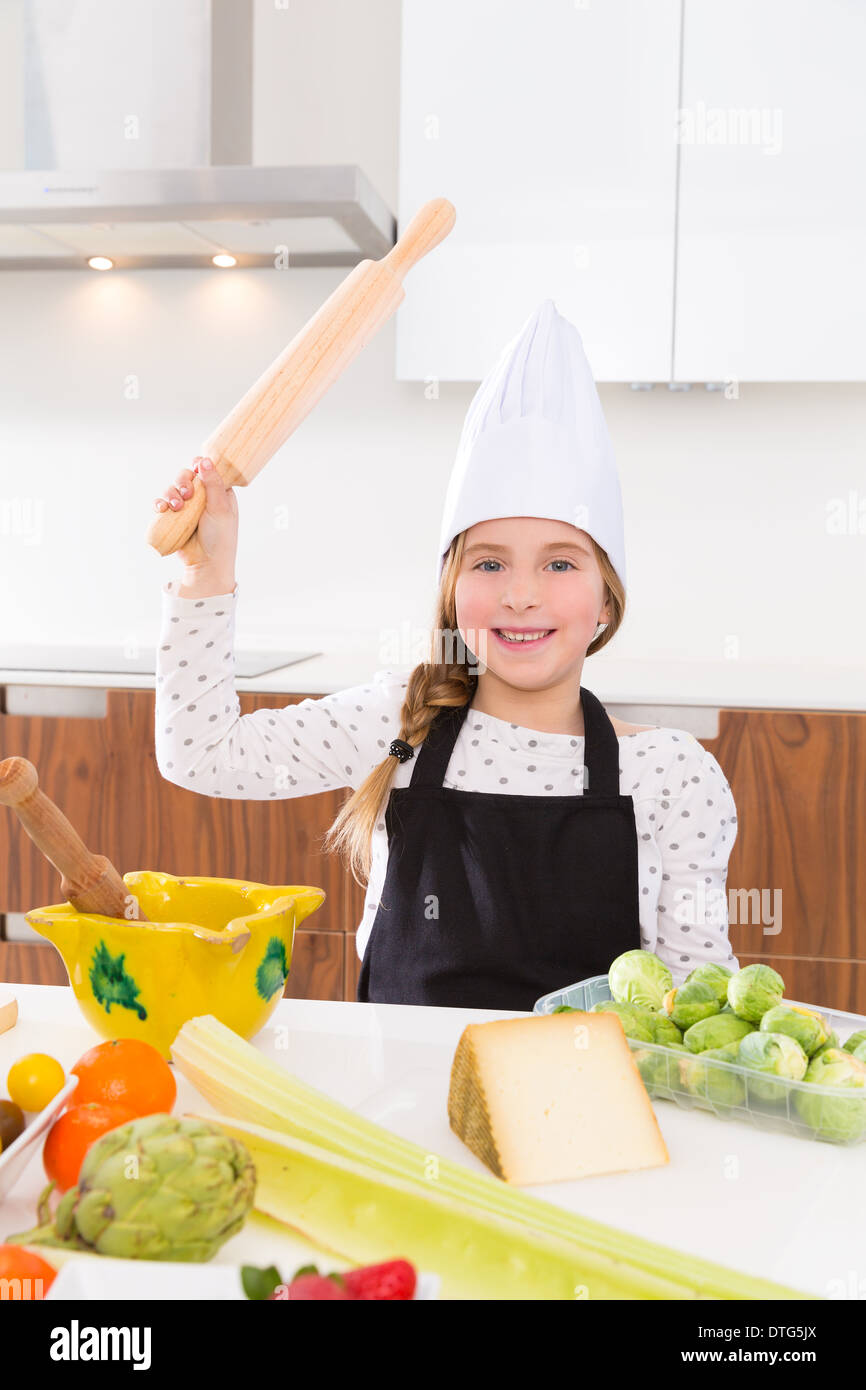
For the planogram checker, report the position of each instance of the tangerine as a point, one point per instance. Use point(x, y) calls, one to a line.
point(24, 1275)
point(71, 1136)
point(126, 1072)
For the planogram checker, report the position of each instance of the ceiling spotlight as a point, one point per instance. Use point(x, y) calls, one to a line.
point(224, 259)
point(100, 263)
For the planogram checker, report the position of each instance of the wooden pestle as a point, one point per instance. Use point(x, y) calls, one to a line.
point(88, 881)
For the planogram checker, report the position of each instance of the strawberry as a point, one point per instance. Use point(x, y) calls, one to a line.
point(394, 1279)
point(317, 1286)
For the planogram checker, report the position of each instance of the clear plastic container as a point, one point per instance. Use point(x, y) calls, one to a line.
point(837, 1115)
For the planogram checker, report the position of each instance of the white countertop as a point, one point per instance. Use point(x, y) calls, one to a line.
point(724, 684)
point(782, 1208)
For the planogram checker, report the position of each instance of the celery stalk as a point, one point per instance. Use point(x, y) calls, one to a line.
point(368, 1217)
point(280, 1101)
point(239, 1081)
point(267, 1103)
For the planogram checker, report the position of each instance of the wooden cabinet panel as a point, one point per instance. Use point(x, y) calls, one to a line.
point(799, 782)
point(317, 966)
point(22, 964)
point(352, 967)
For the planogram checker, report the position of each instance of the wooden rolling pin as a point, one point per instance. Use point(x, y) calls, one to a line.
point(88, 881)
point(284, 395)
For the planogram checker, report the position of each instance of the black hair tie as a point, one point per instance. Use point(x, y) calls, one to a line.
point(401, 749)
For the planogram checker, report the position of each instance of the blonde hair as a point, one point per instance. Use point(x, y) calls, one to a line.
point(434, 685)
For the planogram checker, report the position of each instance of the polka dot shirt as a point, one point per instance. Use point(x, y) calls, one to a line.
point(685, 815)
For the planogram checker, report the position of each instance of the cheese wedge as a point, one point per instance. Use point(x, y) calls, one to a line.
point(552, 1097)
point(8, 1010)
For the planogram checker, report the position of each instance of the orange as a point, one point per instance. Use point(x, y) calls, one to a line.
point(29, 1276)
point(125, 1072)
point(71, 1136)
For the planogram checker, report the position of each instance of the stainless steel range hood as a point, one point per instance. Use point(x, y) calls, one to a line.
point(69, 99)
point(180, 218)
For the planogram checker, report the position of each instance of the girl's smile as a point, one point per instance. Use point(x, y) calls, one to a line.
point(531, 638)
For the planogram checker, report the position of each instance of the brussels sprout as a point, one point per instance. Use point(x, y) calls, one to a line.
point(664, 1030)
point(634, 1025)
point(775, 1054)
point(565, 1009)
point(716, 1085)
point(854, 1041)
point(803, 1025)
point(639, 977)
point(716, 1031)
point(716, 976)
point(754, 990)
point(690, 1003)
point(860, 1051)
point(832, 1041)
point(831, 1118)
point(659, 1071)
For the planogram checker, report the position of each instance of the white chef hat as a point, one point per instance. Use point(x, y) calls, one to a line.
point(535, 442)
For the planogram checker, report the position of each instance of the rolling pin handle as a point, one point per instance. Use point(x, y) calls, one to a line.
point(171, 530)
point(430, 225)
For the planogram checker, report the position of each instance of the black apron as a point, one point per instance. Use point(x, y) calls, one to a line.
point(493, 899)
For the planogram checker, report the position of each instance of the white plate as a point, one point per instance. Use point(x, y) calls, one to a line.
point(97, 1277)
point(14, 1160)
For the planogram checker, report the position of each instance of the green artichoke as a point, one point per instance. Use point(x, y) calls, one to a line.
point(158, 1188)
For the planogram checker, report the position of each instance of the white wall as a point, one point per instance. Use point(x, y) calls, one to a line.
point(726, 501)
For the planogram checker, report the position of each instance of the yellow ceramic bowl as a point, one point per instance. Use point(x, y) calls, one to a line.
point(219, 946)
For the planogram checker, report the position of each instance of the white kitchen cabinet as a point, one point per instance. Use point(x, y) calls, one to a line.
point(772, 195)
point(550, 126)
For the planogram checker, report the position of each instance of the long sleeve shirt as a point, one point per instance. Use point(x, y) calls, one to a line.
point(685, 815)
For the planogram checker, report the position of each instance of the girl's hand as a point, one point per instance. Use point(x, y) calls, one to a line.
point(217, 532)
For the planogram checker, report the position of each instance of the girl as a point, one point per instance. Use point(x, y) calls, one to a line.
point(512, 836)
